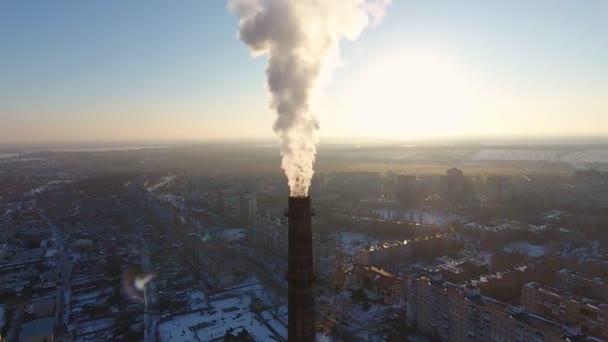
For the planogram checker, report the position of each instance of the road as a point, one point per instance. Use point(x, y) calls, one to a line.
point(151, 309)
point(62, 309)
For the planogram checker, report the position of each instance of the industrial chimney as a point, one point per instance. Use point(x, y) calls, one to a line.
point(300, 275)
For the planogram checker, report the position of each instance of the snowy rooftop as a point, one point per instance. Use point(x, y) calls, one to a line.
point(231, 312)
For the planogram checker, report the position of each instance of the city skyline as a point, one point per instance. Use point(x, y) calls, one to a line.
point(176, 71)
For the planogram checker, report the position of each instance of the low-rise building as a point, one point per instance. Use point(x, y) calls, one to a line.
point(374, 255)
point(384, 285)
point(270, 233)
point(38, 330)
point(43, 307)
point(466, 265)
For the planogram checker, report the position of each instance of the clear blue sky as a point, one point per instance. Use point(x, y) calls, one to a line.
point(130, 70)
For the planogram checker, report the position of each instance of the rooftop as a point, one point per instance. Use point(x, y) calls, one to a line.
point(380, 277)
point(567, 295)
point(37, 328)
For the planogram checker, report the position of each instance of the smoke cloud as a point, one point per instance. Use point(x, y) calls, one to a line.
point(301, 39)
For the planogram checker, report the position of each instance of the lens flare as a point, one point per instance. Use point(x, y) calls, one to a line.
point(140, 283)
point(134, 284)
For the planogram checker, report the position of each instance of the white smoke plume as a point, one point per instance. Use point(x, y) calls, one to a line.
point(301, 39)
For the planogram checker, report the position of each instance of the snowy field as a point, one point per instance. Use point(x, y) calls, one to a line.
point(8, 155)
point(532, 154)
point(516, 154)
point(576, 159)
point(579, 159)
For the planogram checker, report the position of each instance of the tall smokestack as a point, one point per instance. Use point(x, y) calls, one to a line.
point(300, 275)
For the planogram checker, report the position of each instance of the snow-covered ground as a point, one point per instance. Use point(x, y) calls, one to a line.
point(229, 312)
point(9, 155)
point(576, 159)
point(164, 181)
point(39, 189)
point(197, 300)
point(505, 153)
point(552, 215)
point(531, 250)
point(352, 242)
point(277, 325)
point(174, 200)
point(214, 315)
point(352, 314)
point(231, 234)
point(514, 154)
point(417, 216)
point(324, 338)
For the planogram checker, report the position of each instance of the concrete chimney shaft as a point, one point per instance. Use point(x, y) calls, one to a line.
point(300, 275)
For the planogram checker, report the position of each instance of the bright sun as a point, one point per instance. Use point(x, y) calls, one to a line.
point(411, 96)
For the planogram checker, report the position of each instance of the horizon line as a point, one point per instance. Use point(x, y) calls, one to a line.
point(450, 140)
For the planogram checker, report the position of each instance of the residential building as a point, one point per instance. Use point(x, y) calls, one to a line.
point(374, 255)
point(270, 233)
point(452, 312)
point(590, 315)
point(384, 285)
point(580, 283)
point(453, 186)
point(248, 206)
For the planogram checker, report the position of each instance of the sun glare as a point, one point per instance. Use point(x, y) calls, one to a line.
point(411, 96)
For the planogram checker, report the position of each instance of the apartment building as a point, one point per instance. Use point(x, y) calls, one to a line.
point(580, 283)
point(452, 312)
point(564, 307)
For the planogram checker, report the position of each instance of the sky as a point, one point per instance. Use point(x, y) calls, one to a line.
point(113, 70)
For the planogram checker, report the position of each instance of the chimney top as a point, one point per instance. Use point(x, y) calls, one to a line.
point(299, 207)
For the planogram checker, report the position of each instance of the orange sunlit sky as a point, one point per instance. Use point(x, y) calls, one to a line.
point(166, 70)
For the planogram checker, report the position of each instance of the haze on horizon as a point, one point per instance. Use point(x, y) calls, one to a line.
point(160, 70)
